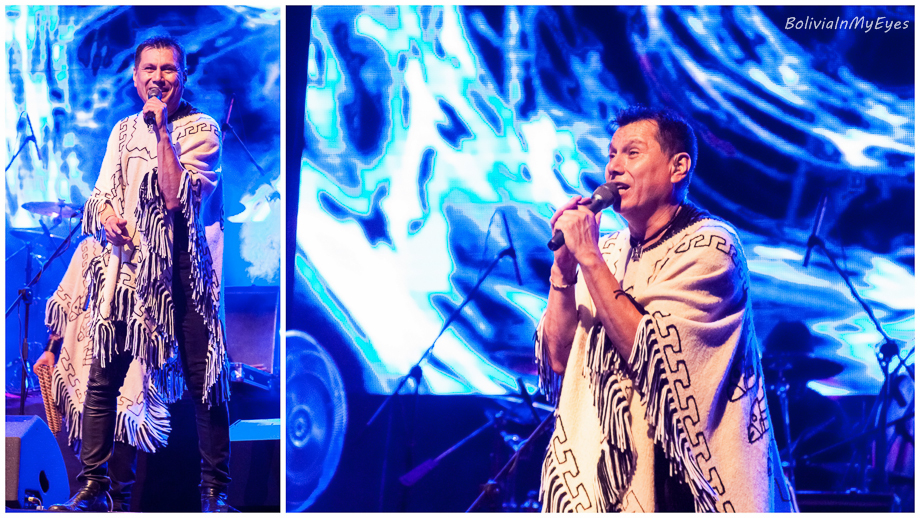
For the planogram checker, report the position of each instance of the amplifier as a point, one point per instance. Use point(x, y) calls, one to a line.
point(252, 334)
point(242, 373)
point(830, 502)
point(35, 472)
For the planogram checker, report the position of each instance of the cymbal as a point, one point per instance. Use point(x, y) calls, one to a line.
point(53, 208)
point(800, 367)
point(27, 234)
point(515, 409)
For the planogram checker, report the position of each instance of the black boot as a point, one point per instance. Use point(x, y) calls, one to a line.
point(121, 474)
point(92, 497)
point(213, 500)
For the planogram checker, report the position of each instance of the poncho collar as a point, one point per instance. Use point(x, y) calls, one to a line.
point(688, 215)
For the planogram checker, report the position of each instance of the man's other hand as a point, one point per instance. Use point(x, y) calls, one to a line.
point(116, 230)
point(47, 358)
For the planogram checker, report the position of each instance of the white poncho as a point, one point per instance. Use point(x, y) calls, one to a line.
point(693, 385)
point(142, 416)
point(143, 291)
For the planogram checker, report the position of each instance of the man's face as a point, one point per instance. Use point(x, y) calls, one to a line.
point(161, 68)
point(640, 169)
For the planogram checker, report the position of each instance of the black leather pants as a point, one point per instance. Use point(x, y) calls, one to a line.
point(99, 411)
point(213, 423)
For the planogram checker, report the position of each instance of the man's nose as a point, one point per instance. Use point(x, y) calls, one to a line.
point(158, 75)
point(615, 167)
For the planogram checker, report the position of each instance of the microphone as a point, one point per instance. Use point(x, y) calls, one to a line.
point(38, 150)
point(513, 253)
point(813, 238)
point(603, 197)
point(149, 117)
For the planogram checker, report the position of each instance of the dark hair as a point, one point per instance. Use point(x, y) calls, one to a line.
point(674, 135)
point(163, 42)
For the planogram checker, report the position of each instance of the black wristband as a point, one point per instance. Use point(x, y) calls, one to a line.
point(629, 297)
point(54, 345)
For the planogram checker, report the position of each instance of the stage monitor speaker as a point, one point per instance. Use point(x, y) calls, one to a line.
point(255, 467)
point(35, 472)
point(828, 502)
point(252, 326)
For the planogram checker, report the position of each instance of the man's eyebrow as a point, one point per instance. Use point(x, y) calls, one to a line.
point(634, 140)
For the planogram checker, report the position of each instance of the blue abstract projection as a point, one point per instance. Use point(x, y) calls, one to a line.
point(428, 127)
point(69, 68)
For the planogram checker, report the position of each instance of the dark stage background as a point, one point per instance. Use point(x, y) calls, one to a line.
point(69, 68)
point(426, 127)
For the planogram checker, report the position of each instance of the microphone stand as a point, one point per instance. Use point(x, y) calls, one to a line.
point(416, 370)
point(227, 126)
point(25, 296)
point(22, 146)
point(887, 351)
point(416, 474)
point(491, 486)
point(418, 365)
point(422, 469)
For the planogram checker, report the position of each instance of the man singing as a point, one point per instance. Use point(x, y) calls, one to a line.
point(155, 291)
point(648, 347)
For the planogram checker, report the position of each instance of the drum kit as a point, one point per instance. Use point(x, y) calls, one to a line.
point(834, 445)
point(787, 376)
point(510, 417)
point(41, 247)
point(861, 443)
point(813, 432)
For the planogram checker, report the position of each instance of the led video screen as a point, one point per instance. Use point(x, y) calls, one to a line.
point(437, 136)
point(69, 81)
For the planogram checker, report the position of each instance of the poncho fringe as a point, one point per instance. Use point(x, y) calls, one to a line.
point(549, 382)
point(647, 363)
point(55, 317)
point(102, 330)
point(604, 368)
point(205, 294)
point(92, 225)
point(147, 433)
point(155, 292)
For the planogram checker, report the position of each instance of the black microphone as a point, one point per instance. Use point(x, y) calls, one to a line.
point(513, 254)
point(38, 150)
point(603, 197)
point(149, 117)
point(813, 238)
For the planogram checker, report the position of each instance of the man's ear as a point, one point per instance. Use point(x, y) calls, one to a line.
point(680, 166)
